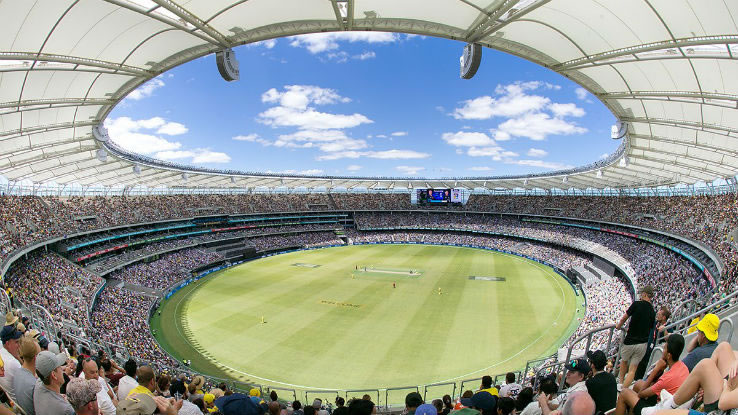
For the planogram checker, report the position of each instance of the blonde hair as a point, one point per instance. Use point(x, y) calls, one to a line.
point(28, 348)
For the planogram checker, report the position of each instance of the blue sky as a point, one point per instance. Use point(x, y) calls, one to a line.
point(368, 104)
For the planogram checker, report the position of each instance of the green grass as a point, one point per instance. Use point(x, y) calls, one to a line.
point(328, 330)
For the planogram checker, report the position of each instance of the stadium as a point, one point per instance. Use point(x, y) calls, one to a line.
point(293, 286)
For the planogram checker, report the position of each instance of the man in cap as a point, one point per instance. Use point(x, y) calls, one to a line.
point(144, 404)
point(238, 404)
point(25, 378)
point(412, 401)
point(47, 400)
point(634, 402)
point(602, 386)
point(704, 343)
point(10, 337)
point(576, 371)
point(82, 395)
point(642, 317)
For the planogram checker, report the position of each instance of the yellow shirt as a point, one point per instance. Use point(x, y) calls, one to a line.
point(492, 391)
point(140, 389)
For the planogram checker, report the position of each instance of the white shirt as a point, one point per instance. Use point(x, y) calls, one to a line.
point(188, 408)
point(125, 385)
point(577, 387)
point(510, 390)
point(103, 399)
point(11, 366)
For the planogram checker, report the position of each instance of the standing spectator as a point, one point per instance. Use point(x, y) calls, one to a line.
point(9, 352)
point(641, 317)
point(82, 395)
point(46, 397)
point(510, 389)
point(24, 380)
point(602, 386)
point(659, 333)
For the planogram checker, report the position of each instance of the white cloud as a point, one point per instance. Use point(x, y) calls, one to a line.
point(467, 139)
point(172, 128)
point(300, 96)
point(537, 126)
point(480, 168)
point(197, 156)
point(605, 155)
point(381, 136)
point(353, 167)
point(397, 154)
point(364, 56)
point(268, 44)
point(385, 155)
point(582, 94)
point(322, 42)
point(537, 152)
point(565, 110)
point(496, 153)
point(540, 163)
point(133, 136)
point(128, 134)
point(399, 133)
point(410, 170)
point(252, 138)
point(146, 90)
point(310, 119)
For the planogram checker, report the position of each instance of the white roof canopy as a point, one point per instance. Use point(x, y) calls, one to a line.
point(664, 67)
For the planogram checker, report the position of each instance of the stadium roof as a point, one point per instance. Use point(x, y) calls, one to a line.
point(663, 67)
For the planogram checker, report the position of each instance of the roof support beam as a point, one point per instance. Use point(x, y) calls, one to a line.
point(163, 19)
point(74, 60)
point(490, 27)
point(649, 47)
point(692, 125)
point(35, 104)
point(44, 128)
point(190, 18)
point(726, 100)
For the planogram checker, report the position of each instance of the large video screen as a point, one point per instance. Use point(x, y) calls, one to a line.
point(434, 196)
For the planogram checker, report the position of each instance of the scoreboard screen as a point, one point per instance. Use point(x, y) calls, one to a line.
point(434, 196)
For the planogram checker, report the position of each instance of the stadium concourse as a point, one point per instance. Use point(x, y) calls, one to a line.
point(108, 316)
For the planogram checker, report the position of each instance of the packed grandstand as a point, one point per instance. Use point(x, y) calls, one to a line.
point(77, 240)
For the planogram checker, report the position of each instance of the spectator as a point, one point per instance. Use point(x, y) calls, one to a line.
point(9, 352)
point(576, 371)
point(127, 382)
point(412, 401)
point(481, 402)
point(24, 380)
point(633, 402)
point(106, 400)
point(341, 408)
point(510, 388)
point(579, 403)
point(46, 397)
point(642, 318)
point(704, 343)
point(602, 386)
point(82, 395)
point(361, 407)
point(487, 386)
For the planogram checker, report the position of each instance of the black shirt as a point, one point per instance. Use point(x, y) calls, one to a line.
point(642, 318)
point(603, 389)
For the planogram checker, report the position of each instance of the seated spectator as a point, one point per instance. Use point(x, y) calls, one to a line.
point(579, 403)
point(510, 388)
point(24, 380)
point(412, 401)
point(487, 386)
point(576, 371)
point(633, 401)
point(127, 382)
point(548, 388)
point(9, 352)
point(46, 397)
point(82, 395)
